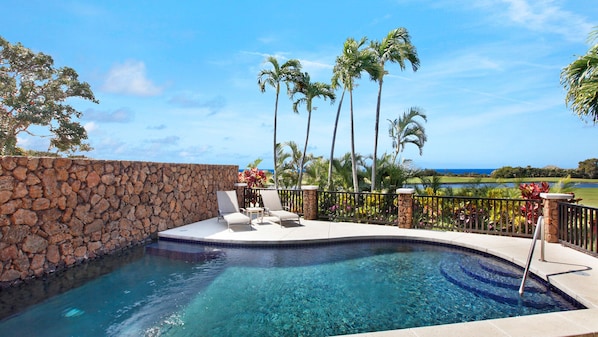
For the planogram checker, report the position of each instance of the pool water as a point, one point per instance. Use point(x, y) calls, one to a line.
point(179, 289)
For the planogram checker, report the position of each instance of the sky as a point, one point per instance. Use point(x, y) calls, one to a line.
point(177, 80)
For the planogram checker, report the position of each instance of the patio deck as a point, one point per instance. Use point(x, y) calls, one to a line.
point(573, 272)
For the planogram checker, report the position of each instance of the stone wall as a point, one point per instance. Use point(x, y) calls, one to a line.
point(56, 212)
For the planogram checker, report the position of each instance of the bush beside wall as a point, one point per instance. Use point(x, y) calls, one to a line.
point(56, 212)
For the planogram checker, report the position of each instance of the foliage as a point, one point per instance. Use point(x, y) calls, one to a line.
point(507, 172)
point(315, 173)
point(358, 207)
point(390, 175)
point(252, 176)
point(532, 191)
point(33, 92)
point(430, 185)
point(273, 77)
point(342, 179)
point(338, 113)
point(288, 164)
point(407, 130)
point(395, 47)
point(308, 90)
point(580, 79)
point(354, 60)
point(564, 185)
point(589, 168)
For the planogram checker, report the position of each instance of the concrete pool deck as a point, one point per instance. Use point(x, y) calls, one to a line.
point(573, 272)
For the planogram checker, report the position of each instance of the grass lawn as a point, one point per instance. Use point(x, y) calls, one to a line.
point(463, 180)
point(589, 196)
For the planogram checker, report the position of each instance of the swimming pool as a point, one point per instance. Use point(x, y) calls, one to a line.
point(178, 289)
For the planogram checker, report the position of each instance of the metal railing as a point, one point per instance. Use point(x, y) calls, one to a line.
point(497, 216)
point(578, 226)
point(374, 208)
point(510, 217)
point(537, 231)
point(293, 199)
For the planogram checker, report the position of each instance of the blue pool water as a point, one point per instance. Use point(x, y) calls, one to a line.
point(178, 289)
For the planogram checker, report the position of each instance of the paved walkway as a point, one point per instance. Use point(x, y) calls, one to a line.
point(573, 272)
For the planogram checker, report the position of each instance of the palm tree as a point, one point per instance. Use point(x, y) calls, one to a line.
point(390, 175)
point(408, 130)
point(288, 163)
point(335, 85)
point(315, 172)
point(309, 90)
point(342, 178)
point(580, 79)
point(395, 47)
point(273, 77)
point(349, 66)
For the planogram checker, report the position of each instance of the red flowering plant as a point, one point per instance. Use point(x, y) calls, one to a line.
point(531, 191)
point(254, 178)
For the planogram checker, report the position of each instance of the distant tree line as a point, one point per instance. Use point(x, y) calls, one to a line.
point(586, 169)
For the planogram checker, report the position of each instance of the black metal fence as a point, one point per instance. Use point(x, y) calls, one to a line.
point(510, 217)
point(577, 227)
point(293, 199)
point(375, 208)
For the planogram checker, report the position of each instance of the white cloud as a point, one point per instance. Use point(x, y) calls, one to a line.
point(122, 115)
point(90, 127)
point(130, 78)
point(548, 17)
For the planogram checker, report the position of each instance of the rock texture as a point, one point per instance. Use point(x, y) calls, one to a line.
point(56, 212)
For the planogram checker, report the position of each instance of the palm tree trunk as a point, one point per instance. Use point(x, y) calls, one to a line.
point(338, 113)
point(304, 151)
point(373, 188)
point(274, 148)
point(353, 162)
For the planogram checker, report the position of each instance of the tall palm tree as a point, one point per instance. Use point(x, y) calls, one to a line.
point(273, 77)
point(309, 90)
point(396, 47)
point(349, 65)
point(315, 172)
point(342, 178)
point(390, 175)
point(408, 130)
point(288, 163)
point(580, 79)
point(335, 85)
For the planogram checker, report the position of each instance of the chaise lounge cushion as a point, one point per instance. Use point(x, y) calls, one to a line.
point(274, 207)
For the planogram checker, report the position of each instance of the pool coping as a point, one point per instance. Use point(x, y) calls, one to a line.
point(571, 271)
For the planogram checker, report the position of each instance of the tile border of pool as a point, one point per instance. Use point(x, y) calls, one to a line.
point(572, 272)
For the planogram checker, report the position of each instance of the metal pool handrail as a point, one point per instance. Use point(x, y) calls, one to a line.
point(537, 232)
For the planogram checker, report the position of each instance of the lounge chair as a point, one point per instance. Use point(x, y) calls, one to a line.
point(229, 211)
point(273, 207)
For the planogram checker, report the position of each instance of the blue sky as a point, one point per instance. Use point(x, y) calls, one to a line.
point(177, 80)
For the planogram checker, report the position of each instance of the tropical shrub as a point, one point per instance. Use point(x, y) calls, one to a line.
point(532, 210)
point(253, 177)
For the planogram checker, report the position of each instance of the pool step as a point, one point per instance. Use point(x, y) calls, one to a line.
point(498, 282)
point(183, 252)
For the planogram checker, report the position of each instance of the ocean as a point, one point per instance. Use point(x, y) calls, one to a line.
point(465, 171)
point(476, 171)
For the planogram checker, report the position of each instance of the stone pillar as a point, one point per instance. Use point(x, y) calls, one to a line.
point(550, 211)
point(310, 202)
point(240, 189)
point(405, 207)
